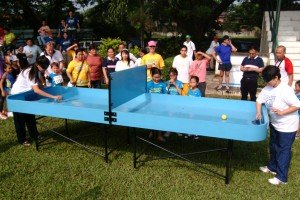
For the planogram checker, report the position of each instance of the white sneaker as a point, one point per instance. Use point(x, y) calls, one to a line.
point(276, 181)
point(10, 114)
point(265, 169)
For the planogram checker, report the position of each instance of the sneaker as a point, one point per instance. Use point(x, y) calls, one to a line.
point(2, 116)
point(276, 181)
point(265, 169)
point(10, 114)
point(26, 144)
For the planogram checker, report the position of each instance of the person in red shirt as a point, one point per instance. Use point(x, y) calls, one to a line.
point(95, 63)
point(285, 65)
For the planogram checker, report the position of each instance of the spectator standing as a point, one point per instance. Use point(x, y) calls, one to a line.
point(152, 59)
point(22, 57)
point(95, 63)
point(44, 31)
point(285, 65)
point(198, 68)
point(182, 63)
point(224, 52)
point(9, 39)
point(138, 62)
point(31, 50)
point(121, 48)
point(191, 48)
point(251, 67)
point(125, 62)
point(64, 43)
point(211, 49)
point(73, 25)
point(62, 28)
point(109, 64)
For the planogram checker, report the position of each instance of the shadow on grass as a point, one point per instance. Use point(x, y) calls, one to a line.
point(94, 193)
point(5, 175)
point(6, 146)
point(246, 155)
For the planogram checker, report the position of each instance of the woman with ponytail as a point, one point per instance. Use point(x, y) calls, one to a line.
point(30, 79)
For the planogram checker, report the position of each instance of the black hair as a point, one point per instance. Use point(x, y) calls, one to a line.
point(174, 71)
point(41, 61)
point(144, 50)
point(196, 78)
point(127, 52)
point(93, 46)
point(6, 65)
point(110, 48)
point(23, 63)
point(155, 70)
point(270, 72)
point(298, 83)
point(28, 39)
point(183, 46)
point(54, 64)
point(253, 47)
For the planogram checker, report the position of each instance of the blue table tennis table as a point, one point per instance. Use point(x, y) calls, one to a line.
point(126, 103)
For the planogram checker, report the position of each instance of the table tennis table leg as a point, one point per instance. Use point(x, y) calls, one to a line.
point(228, 161)
point(134, 148)
point(67, 129)
point(105, 145)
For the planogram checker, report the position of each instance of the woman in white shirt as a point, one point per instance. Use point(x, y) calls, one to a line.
point(282, 105)
point(28, 79)
point(125, 62)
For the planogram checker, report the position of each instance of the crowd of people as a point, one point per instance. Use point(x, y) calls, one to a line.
point(63, 63)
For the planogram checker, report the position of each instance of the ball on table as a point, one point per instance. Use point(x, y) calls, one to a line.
point(224, 117)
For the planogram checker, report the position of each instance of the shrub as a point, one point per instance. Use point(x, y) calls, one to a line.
point(108, 42)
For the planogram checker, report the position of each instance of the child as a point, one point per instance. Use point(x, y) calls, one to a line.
point(198, 68)
point(174, 86)
point(194, 91)
point(6, 84)
point(55, 78)
point(156, 85)
point(125, 62)
point(282, 105)
point(297, 91)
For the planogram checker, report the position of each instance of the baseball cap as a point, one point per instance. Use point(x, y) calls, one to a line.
point(187, 36)
point(225, 37)
point(13, 58)
point(152, 43)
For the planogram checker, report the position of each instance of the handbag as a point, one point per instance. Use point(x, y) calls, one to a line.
point(74, 85)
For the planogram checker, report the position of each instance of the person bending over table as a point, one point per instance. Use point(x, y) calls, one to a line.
point(29, 79)
point(282, 105)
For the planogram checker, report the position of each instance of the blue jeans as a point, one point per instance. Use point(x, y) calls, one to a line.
point(280, 152)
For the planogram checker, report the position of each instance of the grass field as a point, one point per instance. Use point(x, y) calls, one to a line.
point(62, 170)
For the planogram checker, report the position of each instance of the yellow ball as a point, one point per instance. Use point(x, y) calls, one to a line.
point(224, 117)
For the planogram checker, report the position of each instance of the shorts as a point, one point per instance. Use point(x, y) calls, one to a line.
point(225, 67)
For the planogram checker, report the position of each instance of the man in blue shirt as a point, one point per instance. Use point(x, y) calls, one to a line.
point(251, 66)
point(72, 25)
point(224, 53)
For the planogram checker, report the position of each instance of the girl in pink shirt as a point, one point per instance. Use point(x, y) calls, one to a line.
point(198, 68)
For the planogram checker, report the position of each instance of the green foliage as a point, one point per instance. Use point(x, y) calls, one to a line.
point(135, 50)
point(169, 46)
point(168, 65)
point(108, 42)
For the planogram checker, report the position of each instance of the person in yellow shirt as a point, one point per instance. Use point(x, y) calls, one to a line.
point(9, 39)
point(152, 59)
point(78, 71)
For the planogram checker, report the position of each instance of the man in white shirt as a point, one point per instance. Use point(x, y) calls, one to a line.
point(31, 50)
point(191, 49)
point(182, 63)
point(121, 48)
point(285, 65)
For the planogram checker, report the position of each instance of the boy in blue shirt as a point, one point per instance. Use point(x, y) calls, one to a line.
point(156, 85)
point(55, 78)
point(174, 86)
point(224, 52)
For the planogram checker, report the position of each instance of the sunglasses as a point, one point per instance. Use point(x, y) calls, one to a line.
point(152, 46)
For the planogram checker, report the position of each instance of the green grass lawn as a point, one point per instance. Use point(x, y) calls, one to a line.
point(62, 170)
